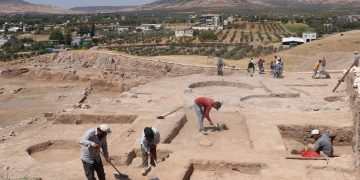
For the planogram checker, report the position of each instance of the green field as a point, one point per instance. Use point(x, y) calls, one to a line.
point(295, 27)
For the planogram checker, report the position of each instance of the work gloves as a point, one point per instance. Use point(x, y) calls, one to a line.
point(150, 154)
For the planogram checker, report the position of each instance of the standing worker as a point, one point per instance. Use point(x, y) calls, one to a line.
point(220, 65)
point(202, 107)
point(316, 67)
point(261, 65)
point(356, 59)
point(93, 140)
point(277, 69)
point(150, 138)
point(323, 64)
point(251, 67)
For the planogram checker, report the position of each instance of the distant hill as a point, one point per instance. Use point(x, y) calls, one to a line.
point(185, 4)
point(98, 9)
point(20, 6)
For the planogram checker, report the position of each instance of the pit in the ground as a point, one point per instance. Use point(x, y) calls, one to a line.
point(213, 170)
point(54, 151)
point(94, 119)
point(296, 137)
point(322, 172)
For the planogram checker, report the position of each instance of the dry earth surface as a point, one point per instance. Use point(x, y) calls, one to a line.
point(47, 104)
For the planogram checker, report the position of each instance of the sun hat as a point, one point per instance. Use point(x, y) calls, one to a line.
point(313, 132)
point(105, 128)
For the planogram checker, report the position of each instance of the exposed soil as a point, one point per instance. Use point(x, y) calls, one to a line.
point(48, 103)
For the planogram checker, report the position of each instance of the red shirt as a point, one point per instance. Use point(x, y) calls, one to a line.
point(207, 104)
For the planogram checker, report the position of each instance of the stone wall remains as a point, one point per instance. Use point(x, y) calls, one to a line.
point(355, 106)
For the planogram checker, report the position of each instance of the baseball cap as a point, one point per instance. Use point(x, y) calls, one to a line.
point(218, 105)
point(313, 132)
point(105, 128)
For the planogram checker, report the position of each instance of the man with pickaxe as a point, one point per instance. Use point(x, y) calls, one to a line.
point(150, 138)
point(94, 140)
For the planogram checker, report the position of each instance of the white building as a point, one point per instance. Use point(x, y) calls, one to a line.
point(307, 37)
point(182, 33)
point(210, 20)
point(204, 28)
point(286, 42)
point(157, 26)
point(230, 19)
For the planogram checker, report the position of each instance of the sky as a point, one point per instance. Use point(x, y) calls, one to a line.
point(67, 4)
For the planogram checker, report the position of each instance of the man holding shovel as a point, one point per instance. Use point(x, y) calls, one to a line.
point(91, 142)
point(202, 107)
point(150, 138)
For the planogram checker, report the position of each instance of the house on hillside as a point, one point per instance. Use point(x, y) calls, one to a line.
point(111, 28)
point(77, 41)
point(307, 37)
point(210, 20)
point(124, 29)
point(144, 28)
point(4, 39)
point(286, 42)
point(182, 33)
point(156, 26)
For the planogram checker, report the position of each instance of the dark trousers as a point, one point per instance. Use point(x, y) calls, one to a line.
point(90, 168)
point(220, 72)
point(145, 156)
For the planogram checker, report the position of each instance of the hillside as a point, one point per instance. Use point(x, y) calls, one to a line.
point(97, 9)
point(20, 6)
point(184, 4)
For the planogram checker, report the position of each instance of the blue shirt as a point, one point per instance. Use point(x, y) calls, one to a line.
point(88, 153)
point(324, 144)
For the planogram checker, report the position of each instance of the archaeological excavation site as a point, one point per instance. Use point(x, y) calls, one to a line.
point(49, 102)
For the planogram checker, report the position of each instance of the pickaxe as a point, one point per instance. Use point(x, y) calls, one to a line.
point(130, 132)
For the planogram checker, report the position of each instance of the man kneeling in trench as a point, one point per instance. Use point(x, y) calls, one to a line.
point(324, 143)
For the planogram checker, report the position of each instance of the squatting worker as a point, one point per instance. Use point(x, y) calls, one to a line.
point(150, 138)
point(324, 142)
point(202, 107)
point(91, 142)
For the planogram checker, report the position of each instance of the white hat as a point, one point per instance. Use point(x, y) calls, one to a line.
point(355, 52)
point(315, 131)
point(105, 128)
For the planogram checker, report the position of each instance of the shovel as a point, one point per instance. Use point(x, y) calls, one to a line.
point(163, 116)
point(117, 176)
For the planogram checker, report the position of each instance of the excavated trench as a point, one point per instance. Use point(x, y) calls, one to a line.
point(326, 172)
point(94, 119)
point(221, 83)
point(207, 169)
point(134, 157)
point(296, 137)
point(54, 151)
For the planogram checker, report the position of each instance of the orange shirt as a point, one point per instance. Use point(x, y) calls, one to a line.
point(316, 65)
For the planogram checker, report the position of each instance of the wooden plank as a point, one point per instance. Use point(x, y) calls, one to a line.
point(342, 79)
point(304, 158)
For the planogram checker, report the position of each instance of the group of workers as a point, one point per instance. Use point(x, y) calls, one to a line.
point(95, 139)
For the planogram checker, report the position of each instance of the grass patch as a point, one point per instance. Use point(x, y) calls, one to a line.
point(295, 27)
